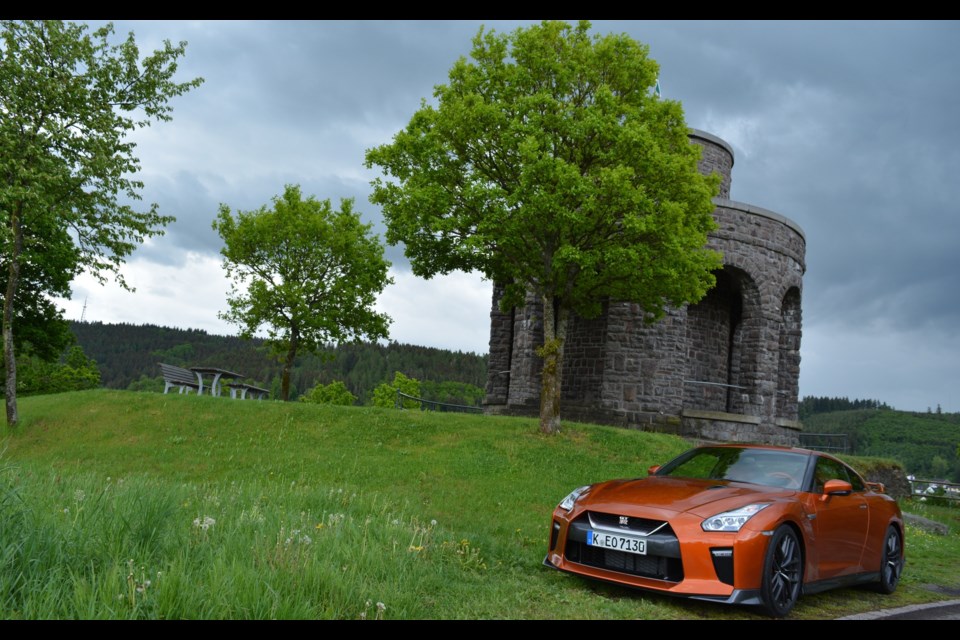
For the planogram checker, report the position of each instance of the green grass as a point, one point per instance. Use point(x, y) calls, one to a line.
point(120, 504)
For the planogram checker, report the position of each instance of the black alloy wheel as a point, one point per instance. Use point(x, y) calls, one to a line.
point(782, 573)
point(892, 563)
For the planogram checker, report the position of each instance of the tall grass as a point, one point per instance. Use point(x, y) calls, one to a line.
point(121, 505)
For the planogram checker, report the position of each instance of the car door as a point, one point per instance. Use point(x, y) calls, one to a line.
point(841, 523)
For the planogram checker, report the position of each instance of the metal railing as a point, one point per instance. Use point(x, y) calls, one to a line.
point(824, 441)
point(704, 383)
point(933, 489)
point(432, 405)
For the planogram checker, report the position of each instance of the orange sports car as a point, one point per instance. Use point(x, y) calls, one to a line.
point(739, 524)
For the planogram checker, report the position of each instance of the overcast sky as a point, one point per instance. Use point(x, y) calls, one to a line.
point(850, 129)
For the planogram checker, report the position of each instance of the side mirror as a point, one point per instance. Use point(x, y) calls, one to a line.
point(836, 488)
point(877, 486)
point(652, 470)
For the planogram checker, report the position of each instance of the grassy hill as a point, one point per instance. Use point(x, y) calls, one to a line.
point(122, 504)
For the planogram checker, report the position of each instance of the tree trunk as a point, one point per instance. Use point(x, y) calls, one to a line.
point(9, 355)
point(288, 365)
point(554, 336)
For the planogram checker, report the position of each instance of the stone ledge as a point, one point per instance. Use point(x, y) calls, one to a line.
point(720, 415)
point(796, 425)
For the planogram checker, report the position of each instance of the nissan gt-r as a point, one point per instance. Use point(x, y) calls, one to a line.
point(739, 524)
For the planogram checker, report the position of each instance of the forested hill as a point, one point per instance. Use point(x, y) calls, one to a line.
point(127, 356)
point(928, 444)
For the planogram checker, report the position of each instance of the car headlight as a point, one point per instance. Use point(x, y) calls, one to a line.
point(568, 502)
point(733, 520)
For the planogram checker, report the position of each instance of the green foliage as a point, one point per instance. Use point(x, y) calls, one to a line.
point(939, 467)
point(385, 395)
point(69, 99)
point(450, 392)
point(306, 273)
point(334, 393)
point(146, 383)
point(548, 165)
point(74, 372)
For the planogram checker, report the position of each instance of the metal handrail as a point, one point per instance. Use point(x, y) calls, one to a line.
point(440, 406)
point(714, 384)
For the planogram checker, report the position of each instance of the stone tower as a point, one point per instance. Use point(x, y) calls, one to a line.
point(724, 369)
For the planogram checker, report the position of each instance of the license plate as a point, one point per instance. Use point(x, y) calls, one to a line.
point(618, 542)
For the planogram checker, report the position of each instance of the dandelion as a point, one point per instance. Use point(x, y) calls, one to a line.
point(433, 523)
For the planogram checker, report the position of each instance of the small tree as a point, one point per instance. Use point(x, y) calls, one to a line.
point(334, 393)
point(549, 165)
point(68, 99)
point(385, 395)
point(307, 273)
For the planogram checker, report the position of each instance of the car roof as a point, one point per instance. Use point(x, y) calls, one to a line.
point(762, 447)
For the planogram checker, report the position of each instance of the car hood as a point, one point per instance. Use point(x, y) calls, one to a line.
point(699, 497)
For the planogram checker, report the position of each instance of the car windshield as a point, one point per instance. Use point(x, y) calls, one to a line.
point(769, 467)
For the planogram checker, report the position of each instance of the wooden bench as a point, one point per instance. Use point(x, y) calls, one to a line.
point(174, 376)
point(244, 388)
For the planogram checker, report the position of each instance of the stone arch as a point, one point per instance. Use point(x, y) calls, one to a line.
point(788, 355)
point(718, 354)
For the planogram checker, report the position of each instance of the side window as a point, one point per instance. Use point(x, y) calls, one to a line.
point(828, 469)
point(855, 480)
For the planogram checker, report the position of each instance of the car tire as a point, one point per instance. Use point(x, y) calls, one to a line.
point(891, 562)
point(782, 572)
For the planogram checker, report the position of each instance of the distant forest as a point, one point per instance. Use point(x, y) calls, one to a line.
point(926, 443)
point(128, 356)
point(811, 405)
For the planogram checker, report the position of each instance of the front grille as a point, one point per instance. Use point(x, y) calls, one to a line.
point(648, 566)
point(662, 560)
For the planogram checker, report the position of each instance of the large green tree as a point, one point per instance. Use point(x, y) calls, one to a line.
point(308, 273)
point(68, 100)
point(548, 164)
